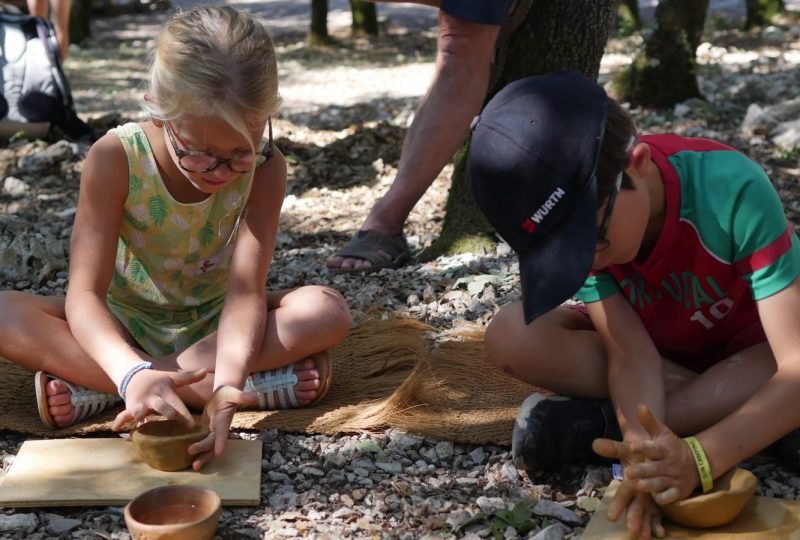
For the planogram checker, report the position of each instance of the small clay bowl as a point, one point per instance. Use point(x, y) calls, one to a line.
point(720, 506)
point(174, 513)
point(163, 444)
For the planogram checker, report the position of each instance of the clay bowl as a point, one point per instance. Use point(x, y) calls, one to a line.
point(163, 444)
point(174, 513)
point(721, 505)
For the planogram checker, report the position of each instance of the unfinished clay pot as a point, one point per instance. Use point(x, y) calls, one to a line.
point(174, 513)
point(720, 506)
point(163, 444)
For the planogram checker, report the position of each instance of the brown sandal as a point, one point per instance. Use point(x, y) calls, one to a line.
point(381, 250)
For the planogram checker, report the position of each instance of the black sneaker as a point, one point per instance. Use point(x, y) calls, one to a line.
point(550, 431)
point(787, 451)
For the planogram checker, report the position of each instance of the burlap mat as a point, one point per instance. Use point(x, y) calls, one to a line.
point(387, 373)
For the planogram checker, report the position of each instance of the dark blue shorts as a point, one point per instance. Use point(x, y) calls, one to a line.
point(478, 11)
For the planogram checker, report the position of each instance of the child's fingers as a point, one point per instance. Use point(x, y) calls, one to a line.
point(610, 449)
point(626, 451)
point(121, 420)
point(171, 406)
point(667, 496)
point(202, 460)
point(184, 378)
point(203, 445)
point(655, 525)
point(625, 492)
point(648, 421)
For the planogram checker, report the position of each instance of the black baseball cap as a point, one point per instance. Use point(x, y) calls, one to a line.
point(531, 169)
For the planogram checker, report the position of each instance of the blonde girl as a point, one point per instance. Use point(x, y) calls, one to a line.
point(172, 241)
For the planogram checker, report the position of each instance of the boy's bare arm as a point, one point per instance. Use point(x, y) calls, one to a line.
point(634, 365)
point(772, 412)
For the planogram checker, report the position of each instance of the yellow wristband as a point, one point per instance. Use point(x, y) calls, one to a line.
point(706, 480)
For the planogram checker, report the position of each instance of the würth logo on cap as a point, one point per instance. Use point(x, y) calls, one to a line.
point(530, 224)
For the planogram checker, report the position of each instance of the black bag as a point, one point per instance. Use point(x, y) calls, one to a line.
point(35, 93)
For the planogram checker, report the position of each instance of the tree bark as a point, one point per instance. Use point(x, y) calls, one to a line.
point(365, 18)
point(557, 34)
point(318, 31)
point(665, 71)
point(761, 12)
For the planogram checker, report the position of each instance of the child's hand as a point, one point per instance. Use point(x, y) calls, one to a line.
point(662, 466)
point(643, 519)
point(152, 390)
point(218, 413)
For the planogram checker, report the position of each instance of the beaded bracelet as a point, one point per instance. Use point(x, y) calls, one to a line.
point(123, 386)
point(703, 469)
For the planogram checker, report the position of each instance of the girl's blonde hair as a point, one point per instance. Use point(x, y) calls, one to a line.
point(214, 61)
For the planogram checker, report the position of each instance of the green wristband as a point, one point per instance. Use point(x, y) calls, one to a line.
point(706, 480)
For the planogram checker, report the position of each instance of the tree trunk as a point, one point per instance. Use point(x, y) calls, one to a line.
point(761, 12)
point(365, 18)
point(543, 43)
point(628, 19)
point(318, 31)
point(665, 72)
point(79, 28)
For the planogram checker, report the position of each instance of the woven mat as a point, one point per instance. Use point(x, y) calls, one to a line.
point(387, 373)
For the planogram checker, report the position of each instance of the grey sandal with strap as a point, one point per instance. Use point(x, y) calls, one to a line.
point(381, 250)
point(280, 383)
point(86, 402)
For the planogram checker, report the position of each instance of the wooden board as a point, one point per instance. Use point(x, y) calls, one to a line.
point(763, 518)
point(89, 472)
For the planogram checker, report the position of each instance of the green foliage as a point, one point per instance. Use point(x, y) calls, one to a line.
point(519, 516)
point(790, 156)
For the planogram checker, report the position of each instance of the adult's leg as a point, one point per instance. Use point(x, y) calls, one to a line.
point(61, 10)
point(464, 54)
point(37, 8)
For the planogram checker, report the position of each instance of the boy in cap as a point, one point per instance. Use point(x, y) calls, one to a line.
point(681, 252)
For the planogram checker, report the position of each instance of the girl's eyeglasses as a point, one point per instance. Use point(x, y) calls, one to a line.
point(196, 161)
point(602, 242)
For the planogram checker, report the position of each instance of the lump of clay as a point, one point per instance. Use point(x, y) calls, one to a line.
point(720, 506)
point(164, 444)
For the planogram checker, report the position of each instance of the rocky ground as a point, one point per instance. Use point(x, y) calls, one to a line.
point(346, 110)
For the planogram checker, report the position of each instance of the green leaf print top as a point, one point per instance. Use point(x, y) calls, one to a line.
point(173, 258)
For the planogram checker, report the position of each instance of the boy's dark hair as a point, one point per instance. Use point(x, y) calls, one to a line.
point(614, 151)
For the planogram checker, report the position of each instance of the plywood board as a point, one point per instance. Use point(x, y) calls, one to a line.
point(763, 518)
point(88, 472)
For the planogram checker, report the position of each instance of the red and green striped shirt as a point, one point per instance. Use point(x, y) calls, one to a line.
point(726, 243)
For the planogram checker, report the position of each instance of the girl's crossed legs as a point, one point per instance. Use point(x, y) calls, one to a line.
point(302, 324)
